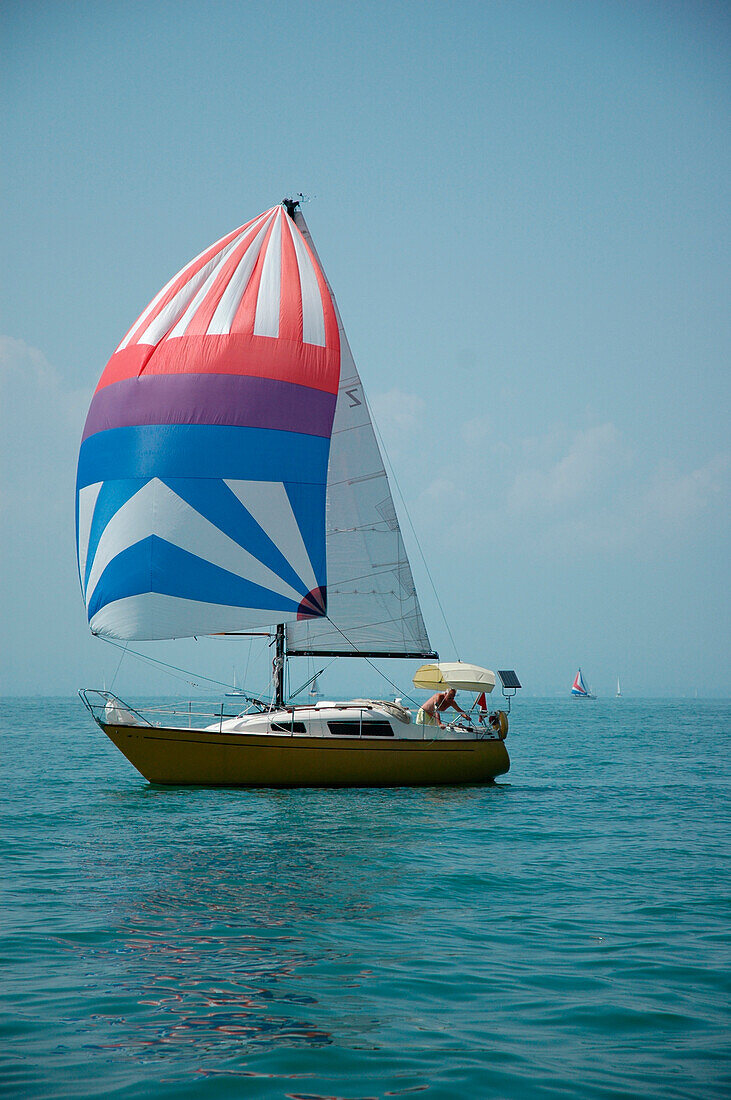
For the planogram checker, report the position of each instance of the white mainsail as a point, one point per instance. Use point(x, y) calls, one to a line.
point(372, 604)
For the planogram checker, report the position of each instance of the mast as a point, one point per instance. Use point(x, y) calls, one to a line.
point(278, 667)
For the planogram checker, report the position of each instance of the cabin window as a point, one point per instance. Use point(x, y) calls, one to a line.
point(353, 728)
point(288, 727)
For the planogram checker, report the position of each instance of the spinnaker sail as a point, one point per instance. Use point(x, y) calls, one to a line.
point(202, 474)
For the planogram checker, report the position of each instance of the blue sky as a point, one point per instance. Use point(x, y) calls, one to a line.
point(523, 209)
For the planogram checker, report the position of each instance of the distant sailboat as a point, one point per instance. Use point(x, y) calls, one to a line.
point(619, 689)
point(235, 689)
point(580, 690)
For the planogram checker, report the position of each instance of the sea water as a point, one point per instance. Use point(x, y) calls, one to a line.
point(563, 933)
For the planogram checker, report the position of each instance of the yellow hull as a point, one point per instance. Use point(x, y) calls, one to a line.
point(196, 757)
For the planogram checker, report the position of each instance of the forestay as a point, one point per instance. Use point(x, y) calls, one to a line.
point(203, 466)
point(372, 602)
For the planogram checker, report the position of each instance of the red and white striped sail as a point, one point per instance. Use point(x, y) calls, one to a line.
point(259, 280)
point(203, 466)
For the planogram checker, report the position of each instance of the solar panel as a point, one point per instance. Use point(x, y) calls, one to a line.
point(509, 679)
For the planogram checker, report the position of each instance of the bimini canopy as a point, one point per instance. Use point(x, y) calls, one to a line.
point(454, 674)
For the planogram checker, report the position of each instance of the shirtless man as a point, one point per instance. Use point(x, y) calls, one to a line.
point(428, 715)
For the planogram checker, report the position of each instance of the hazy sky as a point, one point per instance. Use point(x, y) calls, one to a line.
point(523, 209)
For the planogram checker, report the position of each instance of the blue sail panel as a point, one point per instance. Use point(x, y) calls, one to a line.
point(203, 466)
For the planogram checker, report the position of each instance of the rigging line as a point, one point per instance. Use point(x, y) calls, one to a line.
point(111, 686)
point(411, 522)
point(164, 664)
point(380, 672)
point(248, 661)
point(307, 683)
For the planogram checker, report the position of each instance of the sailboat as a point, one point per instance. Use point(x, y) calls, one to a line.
point(230, 483)
point(619, 689)
point(579, 688)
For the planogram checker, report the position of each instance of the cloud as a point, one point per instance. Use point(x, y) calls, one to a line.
point(41, 423)
point(592, 461)
point(677, 499)
point(575, 492)
point(598, 498)
point(443, 491)
point(399, 417)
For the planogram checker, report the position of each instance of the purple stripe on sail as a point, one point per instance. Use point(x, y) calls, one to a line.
point(229, 399)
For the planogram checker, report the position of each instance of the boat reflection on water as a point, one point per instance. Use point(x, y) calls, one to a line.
point(234, 924)
point(215, 993)
point(209, 956)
